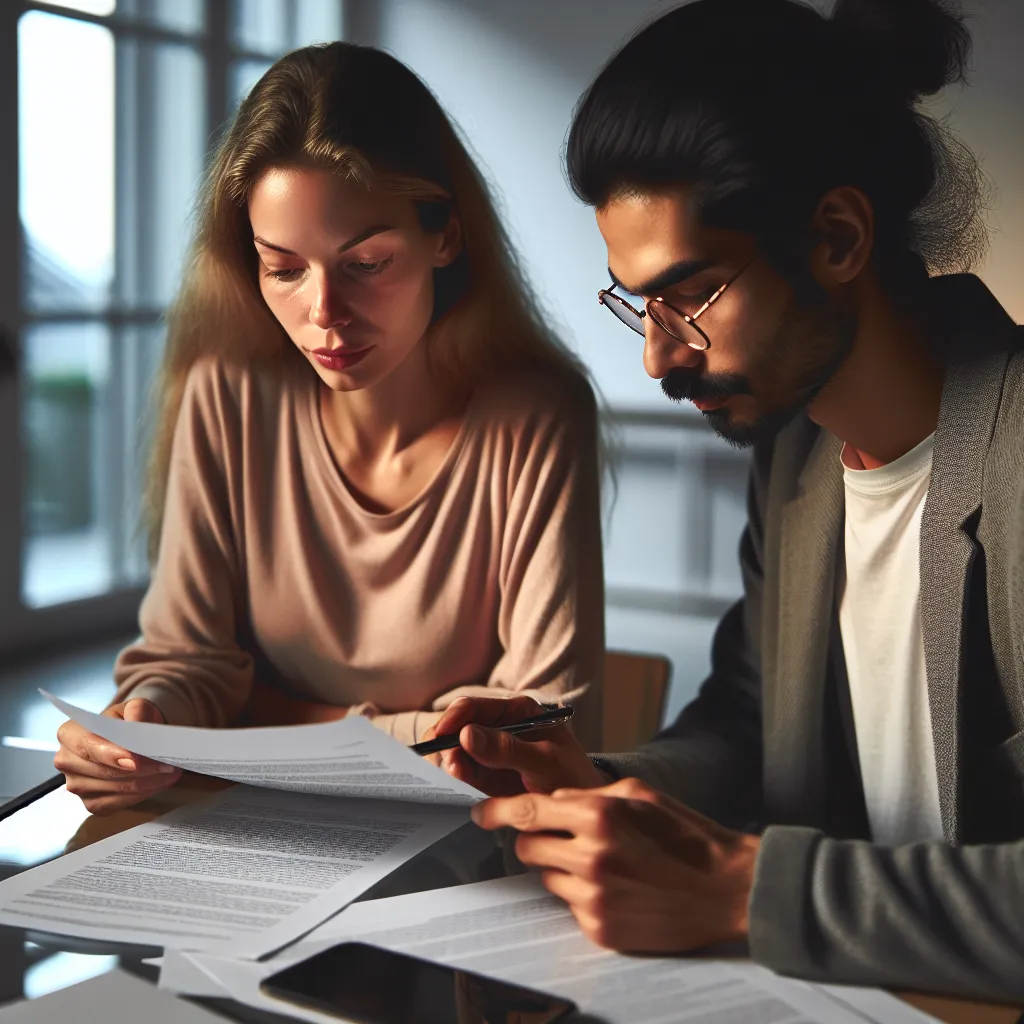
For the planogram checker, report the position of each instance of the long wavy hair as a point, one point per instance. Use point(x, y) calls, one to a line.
point(360, 113)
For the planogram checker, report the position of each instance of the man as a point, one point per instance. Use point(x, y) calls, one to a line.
point(846, 793)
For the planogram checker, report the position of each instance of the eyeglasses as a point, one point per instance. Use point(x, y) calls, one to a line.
point(672, 320)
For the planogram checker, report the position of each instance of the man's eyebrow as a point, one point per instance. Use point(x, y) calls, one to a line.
point(675, 274)
point(376, 229)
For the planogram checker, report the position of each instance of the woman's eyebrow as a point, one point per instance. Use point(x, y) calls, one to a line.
point(376, 229)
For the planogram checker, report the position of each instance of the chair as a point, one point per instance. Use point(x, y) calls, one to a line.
point(635, 688)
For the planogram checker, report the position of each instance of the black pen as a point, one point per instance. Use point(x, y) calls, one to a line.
point(554, 714)
point(22, 800)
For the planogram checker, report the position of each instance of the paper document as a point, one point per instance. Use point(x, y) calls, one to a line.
point(243, 872)
point(114, 996)
point(350, 757)
point(514, 930)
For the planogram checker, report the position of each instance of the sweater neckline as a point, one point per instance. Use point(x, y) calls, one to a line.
point(335, 472)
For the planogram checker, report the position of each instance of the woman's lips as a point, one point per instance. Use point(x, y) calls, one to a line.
point(339, 359)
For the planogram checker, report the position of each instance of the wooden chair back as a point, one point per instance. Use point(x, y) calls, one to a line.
point(635, 689)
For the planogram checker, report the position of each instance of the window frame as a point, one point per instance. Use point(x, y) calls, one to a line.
point(24, 628)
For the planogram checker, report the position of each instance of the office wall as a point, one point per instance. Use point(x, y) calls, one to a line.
point(509, 74)
point(989, 114)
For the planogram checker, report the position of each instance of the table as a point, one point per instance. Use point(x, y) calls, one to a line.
point(57, 823)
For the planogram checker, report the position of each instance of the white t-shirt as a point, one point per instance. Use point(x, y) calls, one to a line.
point(880, 621)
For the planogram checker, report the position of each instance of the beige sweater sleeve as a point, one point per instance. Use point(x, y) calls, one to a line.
point(551, 617)
point(188, 661)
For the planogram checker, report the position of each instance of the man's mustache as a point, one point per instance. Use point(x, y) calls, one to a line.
point(685, 385)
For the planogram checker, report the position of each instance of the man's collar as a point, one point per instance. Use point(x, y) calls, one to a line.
point(970, 318)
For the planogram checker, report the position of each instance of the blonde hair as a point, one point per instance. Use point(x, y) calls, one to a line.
point(357, 112)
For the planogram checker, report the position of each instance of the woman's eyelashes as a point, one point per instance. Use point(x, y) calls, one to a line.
point(287, 275)
point(370, 268)
point(359, 268)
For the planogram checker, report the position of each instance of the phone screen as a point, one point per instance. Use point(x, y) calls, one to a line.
point(377, 986)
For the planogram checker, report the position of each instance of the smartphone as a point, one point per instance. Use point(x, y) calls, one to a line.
point(371, 985)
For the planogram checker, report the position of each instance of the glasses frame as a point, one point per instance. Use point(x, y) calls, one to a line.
point(651, 305)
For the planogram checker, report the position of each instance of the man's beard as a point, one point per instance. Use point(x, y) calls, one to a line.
point(813, 343)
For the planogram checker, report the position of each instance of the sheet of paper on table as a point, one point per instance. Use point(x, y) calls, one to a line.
point(243, 873)
point(350, 757)
point(111, 997)
point(512, 929)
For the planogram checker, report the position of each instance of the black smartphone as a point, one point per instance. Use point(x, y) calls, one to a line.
point(371, 985)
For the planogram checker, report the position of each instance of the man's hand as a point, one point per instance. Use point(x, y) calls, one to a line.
point(500, 764)
point(641, 872)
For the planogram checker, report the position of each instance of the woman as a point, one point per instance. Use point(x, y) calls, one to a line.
point(374, 483)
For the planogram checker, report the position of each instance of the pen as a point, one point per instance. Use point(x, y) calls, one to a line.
point(24, 799)
point(554, 714)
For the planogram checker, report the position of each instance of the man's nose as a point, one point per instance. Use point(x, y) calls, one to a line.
point(662, 352)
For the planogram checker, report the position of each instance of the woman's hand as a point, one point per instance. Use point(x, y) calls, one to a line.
point(107, 777)
point(500, 764)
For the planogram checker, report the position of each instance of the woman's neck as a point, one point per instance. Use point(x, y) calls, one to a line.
point(377, 423)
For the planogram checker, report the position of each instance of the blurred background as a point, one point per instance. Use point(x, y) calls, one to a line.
point(108, 109)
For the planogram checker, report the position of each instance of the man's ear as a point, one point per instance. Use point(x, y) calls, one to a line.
point(843, 229)
point(449, 241)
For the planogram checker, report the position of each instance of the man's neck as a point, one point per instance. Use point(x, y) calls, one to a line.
point(884, 401)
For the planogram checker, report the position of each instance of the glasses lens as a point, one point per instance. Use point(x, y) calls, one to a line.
point(623, 312)
point(669, 319)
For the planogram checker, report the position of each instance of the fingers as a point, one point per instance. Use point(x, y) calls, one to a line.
point(141, 710)
point(502, 750)
point(487, 780)
point(107, 777)
point(542, 850)
point(639, 792)
point(86, 746)
point(107, 803)
point(586, 815)
point(491, 711)
point(123, 792)
point(588, 903)
point(90, 747)
point(577, 892)
point(70, 763)
point(137, 710)
point(634, 789)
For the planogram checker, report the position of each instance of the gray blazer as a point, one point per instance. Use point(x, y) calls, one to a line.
point(769, 739)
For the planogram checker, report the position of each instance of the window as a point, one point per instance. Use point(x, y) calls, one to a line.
point(117, 103)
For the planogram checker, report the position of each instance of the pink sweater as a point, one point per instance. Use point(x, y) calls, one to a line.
point(487, 583)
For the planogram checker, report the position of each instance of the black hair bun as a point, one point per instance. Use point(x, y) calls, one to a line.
point(916, 46)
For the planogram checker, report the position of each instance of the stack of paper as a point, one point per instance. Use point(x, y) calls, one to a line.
point(248, 869)
point(513, 930)
point(349, 757)
point(114, 996)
